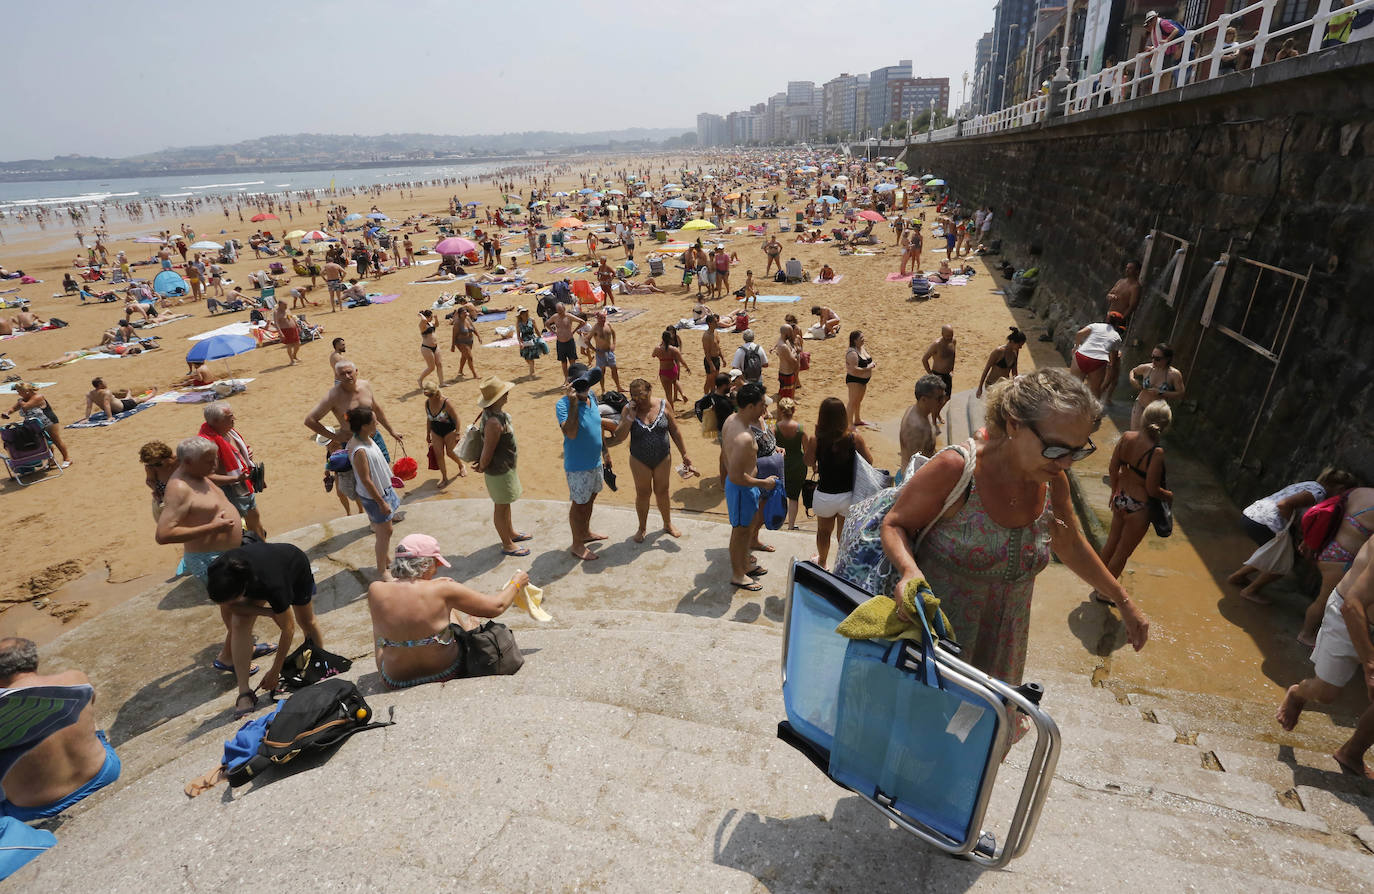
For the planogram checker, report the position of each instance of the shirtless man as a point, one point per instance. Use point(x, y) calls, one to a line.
point(197, 514)
point(829, 320)
point(710, 346)
point(1124, 297)
point(27, 320)
point(67, 765)
point(348, 392)
point(602, 339)
point(334, 282)
point(100, 397)
point(1344, 649)
point(920, 424)
point(605, 277)
point(565, 325)
point(340, 347)
point(744, 492)
point(286, 324)
point(789, 361)
point(939, 361)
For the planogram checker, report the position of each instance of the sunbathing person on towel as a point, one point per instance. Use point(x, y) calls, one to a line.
point(112, 403)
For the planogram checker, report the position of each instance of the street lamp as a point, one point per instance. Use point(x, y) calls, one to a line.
point(1030, 49)
point(1063, 72)
point(1006, 64)
point(963, 90)
point(932, 115)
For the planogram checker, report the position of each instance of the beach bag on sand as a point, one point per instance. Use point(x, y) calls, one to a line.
point(313, 720)
point(470, 447)
point(490, 650)
point(310, 664)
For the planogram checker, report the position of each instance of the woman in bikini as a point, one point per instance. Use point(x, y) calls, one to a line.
point(858, 369)
point(417, 619)
point(159, 462)
point(1002, 361)
point(429, 348)
point(464, 334)
point(1337, 556)
point(670, 362)
point(1157, 380)
point(33, 405)
point(441, 421)
point(649, 427)
point(1137, 473)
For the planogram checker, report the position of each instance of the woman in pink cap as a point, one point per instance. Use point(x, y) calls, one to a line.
point(417, 618)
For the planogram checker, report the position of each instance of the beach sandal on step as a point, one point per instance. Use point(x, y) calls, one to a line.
point(240, 713)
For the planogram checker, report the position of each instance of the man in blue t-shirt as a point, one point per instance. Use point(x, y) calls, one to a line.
point(579, 416)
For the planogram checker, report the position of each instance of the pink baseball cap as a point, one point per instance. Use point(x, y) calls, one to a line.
point(420, 546)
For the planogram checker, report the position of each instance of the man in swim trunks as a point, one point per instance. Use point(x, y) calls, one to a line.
point(256, 580)
point(602, 338)
point(67, 765)
point(285, 322)
point(710, 346)
point(565, 324)
point(101, 398)
point(920, 427)
point(743, 491)
point(1124, 297)
point(197, 514)
point(334, 282)
point(789, 361)
point(939, 360)
point(1344, 648)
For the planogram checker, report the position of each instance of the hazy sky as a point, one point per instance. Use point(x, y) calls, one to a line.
point(139, 75)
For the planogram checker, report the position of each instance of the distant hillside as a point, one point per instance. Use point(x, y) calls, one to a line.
point(297, 150)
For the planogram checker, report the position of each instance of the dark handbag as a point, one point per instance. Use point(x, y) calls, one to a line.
point(1161, 511)
point(808, 494)
point(310, 664)
point(259, 477)
point(490, 650)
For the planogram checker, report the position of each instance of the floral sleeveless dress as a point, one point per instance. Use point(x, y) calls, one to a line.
point(984, 574)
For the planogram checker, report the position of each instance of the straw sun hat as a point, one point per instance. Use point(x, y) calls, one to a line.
point(493, 389)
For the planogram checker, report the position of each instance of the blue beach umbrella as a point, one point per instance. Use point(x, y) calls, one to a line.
point(677, 203)
point(830, 200)
point(377, 215)
point(585, 191)
point(886, 187)
point(353, 217)
point(217, 347)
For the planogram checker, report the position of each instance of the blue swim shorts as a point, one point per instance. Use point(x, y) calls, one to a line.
point(109, 772)
point(743, 503)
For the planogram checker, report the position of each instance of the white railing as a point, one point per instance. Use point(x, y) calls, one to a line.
point(944, 133)
point(1195, 56)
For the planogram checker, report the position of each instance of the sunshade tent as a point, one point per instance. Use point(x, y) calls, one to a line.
point(170, 283)
point(217, 347)
point(455, 245)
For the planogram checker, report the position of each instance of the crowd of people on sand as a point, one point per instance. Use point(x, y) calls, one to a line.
point(976, 522)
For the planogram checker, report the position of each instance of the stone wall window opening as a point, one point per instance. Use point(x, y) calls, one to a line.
point(1237, 307)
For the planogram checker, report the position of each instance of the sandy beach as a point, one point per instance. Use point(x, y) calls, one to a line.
point(83, 541)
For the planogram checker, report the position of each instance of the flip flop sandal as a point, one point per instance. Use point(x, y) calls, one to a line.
point(523, 551)
point(521, 538)
point(261, 649)
point(757, 571)
point(752, 586)
point(240, 713)
point(229, 668)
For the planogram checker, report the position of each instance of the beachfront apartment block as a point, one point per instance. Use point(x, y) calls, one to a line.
point(879, 107)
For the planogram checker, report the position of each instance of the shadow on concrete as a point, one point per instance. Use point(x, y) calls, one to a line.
point(855, 850)
point(336, 542)
point(710, 594)
point(188, 593)
point(172, 695)
point(340, 590)
point(1097, 627)
point(1358, 793)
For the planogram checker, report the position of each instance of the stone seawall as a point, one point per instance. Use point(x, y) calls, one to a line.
point(1275, 166)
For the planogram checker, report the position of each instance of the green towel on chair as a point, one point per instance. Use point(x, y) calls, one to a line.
point(878, 619)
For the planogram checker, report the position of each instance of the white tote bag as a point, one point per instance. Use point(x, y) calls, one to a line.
point(1276, 556)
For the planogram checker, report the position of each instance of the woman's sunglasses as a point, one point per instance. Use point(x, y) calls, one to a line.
point(1059, 451)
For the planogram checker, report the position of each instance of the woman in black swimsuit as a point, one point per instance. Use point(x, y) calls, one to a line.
point(464, 333)
point(429, 349)
point(1002, 361)
point(858, 367)
point(441, 421)
point(650, 426)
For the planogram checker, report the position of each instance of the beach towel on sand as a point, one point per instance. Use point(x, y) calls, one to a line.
point(98, 419)
point(899, 277)
point(777, 299)
point(828, 282)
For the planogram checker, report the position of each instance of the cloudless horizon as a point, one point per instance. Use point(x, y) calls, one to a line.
point(164, 76)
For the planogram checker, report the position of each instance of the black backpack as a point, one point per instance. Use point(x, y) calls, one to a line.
point(315, 719)
point(753, 362)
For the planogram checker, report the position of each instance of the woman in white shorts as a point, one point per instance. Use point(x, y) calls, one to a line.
point(832, 454)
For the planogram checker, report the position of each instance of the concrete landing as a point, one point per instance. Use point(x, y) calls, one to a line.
point(634, 751)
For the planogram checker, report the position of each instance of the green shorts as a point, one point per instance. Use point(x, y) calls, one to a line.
point(504, 489)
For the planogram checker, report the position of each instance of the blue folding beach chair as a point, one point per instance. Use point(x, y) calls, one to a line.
point(907, 726)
